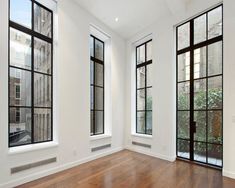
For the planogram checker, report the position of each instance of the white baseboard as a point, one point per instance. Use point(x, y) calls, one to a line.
point(152, 154)
point(228, 174)
point(44, 173)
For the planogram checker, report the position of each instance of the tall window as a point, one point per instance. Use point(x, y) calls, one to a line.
point(144, 88)
point(97, 85)
point(30, 72)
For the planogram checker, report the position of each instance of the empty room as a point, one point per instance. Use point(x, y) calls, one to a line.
point(117, 93)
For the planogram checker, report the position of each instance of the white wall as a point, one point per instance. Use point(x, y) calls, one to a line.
point(72, 95)
point(163, 140)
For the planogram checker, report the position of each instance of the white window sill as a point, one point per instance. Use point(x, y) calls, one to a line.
point(98, 137)
point(32, 147)
point(142, 135)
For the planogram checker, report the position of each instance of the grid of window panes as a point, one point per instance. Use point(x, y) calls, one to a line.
point(30, 73)
point(200, 88)
point(144, 88)
point(96, 86)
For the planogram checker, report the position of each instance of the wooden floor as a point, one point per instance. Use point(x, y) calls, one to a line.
point(129, 169)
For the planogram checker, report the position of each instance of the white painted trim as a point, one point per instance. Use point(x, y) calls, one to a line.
point(156, 155)
point(142, 135)
point(44, 173)
point(229, 174)
point(98, 137)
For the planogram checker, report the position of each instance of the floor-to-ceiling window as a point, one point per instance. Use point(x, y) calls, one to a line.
point(200, 88)
point(30, 73)
point(96, 86)
point(144, 88)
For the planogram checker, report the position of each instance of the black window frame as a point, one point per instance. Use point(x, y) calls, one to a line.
point(143, 64)
point(193, 46)
point(93, 127)
point(50, 40)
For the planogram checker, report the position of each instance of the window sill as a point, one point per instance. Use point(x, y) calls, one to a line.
point(98, 137)
point(142, 135)
point(32, 147)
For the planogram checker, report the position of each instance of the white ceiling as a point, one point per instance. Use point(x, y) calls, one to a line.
point(134, 15)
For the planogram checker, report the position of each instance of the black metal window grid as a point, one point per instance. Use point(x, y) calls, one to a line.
point(97, 85)
point(34, 110)
point(195, 93)
point(144, 88)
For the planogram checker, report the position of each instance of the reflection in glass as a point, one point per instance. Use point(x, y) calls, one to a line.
point(149, 99)
point(215, 59)
point(200, 152)
point(149, 51)
point(141, 54)
point(42, 125)
point(92, 72)
point(141, 77)
point(99, 74)
point(149, 122)
point(200, 29)
point(200, 63)
point(215, 154)
point(99, 100)
point(20, 126)
point(99, 47)
point(184, 67)
point(42, 90)
point(141, 99)
point(200, 119)
point(183, 124)
point(42, 56)
point(20, 49)
point(141, 122)
point(99, 122)
point(183, 148)
point(20, 87)
point(183, 36)
point(149, 75)
point(215, 23)
point(42, 21)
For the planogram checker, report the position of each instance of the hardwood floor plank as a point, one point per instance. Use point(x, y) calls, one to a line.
point(129, 169)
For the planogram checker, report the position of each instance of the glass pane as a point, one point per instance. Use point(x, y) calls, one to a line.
point(42, 21)
point(20, 49)
point(92, 97)
point(183, 124)
point(149, 51)
point(141, 77)
point(42, 125)
point(20, 87)
point(141, 122)
point(200, 94)
point(215, 154)
point(200, 63)
point(215, 126)
point(141, 99)
point(199, 152)
point(42, 90)
point(99, 54)
point(91, 46)
point(20, 126)
point(42, 56)
point(21, 12)
point(99, 74)
point(215, 23)
point(200, 29)
point(141, 54)
point(183, 96)
point(99, 122)
point(91, 122)
point(149, 123)
point(99, 98)
point(215, 93)
point(200, 119)
point(149, 99)
point(92, 72)
point(183, 148)
point(149, 75)
point(215, 59)
point(183, 36)
point(184, 67)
